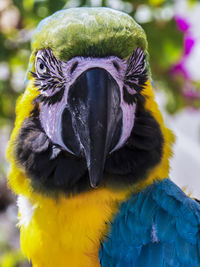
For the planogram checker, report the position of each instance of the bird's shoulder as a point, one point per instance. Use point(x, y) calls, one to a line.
point(159, 226)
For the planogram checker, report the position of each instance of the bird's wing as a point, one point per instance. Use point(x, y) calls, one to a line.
point(158, 227)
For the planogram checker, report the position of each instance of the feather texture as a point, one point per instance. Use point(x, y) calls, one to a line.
point(96, 32)
point(157, 227)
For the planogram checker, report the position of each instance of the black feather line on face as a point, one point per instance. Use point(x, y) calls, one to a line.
point(52, 80)
point(53, 170)
point(53, 99)
point(135, 76)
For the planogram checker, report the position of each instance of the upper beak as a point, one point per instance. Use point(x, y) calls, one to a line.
point(94, 104)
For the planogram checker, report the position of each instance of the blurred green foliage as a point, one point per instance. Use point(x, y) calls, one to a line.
point(12, 259)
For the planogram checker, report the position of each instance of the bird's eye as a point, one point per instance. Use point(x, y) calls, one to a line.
point(41, 66)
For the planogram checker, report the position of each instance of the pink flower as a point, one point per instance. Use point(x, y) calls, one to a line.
point(182, 24)
point(188, 45)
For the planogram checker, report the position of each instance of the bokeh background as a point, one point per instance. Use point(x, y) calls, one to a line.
point(172, 29)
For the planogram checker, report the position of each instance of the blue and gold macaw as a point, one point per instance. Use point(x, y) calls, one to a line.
point(90, 152)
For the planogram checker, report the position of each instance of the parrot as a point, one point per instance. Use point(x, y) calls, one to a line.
point(90, 151)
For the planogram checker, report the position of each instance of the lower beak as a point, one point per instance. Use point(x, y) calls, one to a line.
point(94, 104)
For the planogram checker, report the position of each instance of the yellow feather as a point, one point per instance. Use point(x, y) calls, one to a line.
point(67, 231)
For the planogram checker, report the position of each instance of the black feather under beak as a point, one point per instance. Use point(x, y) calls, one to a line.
point(94, 104)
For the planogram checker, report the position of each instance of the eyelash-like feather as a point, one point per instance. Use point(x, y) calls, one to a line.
point(53, 98)
point(51, 80)
point(135, 76)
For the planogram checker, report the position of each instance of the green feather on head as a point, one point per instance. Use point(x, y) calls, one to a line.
point(95, 32)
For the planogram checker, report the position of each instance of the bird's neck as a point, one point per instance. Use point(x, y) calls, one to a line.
point(70, 229)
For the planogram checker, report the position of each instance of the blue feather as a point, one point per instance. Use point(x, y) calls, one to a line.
point(158, 227)
point(165, 225)
point(170, 256)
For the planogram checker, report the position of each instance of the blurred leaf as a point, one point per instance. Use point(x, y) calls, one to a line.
point(12, 259)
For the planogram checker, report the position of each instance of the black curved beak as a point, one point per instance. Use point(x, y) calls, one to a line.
point(94, 104)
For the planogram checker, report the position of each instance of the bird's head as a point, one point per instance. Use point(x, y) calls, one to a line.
point(88, 115)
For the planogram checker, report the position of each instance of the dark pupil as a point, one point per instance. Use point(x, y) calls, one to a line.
point(41, 66)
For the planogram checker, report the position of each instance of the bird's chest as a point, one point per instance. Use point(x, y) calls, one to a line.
point(67, 232)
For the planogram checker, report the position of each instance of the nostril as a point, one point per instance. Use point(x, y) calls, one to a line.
point(116, 65)
point(74, 66)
